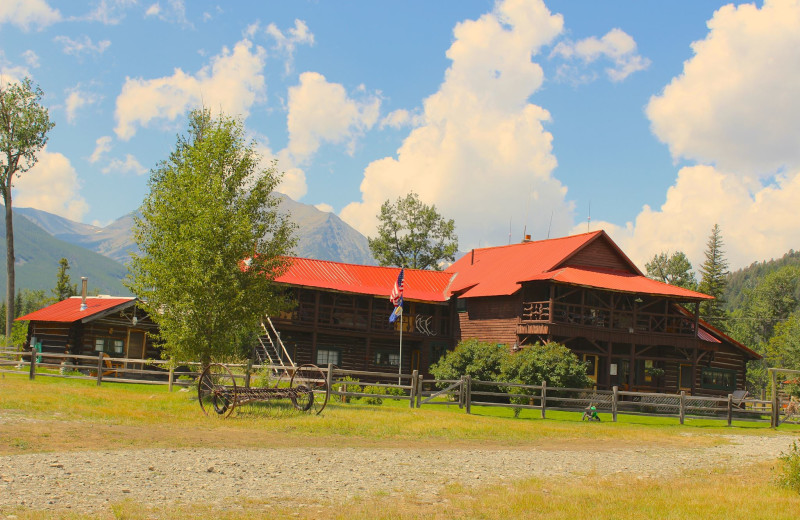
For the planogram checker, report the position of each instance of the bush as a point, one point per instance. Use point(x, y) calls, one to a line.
point(789, 469)
point(342, 386)
point(550, 362)
point(477, 359)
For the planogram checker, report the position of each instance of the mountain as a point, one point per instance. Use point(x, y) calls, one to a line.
point(113, 241)
point(321, 235)
point(324, 236)
point(38, 252)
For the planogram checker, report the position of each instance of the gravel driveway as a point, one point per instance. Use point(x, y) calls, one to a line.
point(90, 481)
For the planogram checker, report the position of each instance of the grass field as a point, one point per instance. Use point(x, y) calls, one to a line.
point(55, 415)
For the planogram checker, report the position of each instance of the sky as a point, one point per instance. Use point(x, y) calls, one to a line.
point(652, 120)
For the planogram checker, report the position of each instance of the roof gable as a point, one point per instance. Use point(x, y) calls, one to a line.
point(600, 252)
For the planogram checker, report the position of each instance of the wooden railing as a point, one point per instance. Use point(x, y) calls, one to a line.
point(588, 316)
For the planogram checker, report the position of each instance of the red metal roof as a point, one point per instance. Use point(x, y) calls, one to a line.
point(69, 310)
point(420, 285)
point(500, 271)
point(622, 281)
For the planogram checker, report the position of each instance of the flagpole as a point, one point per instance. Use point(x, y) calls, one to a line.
point(400, 367)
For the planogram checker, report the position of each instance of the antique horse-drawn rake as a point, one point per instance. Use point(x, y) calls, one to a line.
point(306, 390)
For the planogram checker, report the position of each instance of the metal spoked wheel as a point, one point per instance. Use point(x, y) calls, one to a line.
point(310, 379)
point(216, 391)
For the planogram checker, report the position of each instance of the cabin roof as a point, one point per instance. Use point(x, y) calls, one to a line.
point(501, 271)
point(69, 310)
point(422, 285)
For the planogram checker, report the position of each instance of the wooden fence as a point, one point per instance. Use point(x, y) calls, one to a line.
point(464, 392)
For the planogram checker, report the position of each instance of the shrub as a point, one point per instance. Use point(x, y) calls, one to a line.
point(342, 386)
point(789, 469)
point(550, 362)
point(478, 359)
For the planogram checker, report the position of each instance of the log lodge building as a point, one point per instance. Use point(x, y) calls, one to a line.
point(581, 291)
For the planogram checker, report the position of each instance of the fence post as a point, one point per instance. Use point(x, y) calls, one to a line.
point(33, 364)
point(419, 391)
point(468, 394)
point(682, 408)
point(99, 368)
point(462, 390)
point(171, 375)
point(544, 399)
point(730, 408)
point(614, 399)
point(330, 378)
point(775, 400)
point(414, 381)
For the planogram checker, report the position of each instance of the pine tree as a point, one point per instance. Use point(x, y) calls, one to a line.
point(714, 272)
point(64, 289)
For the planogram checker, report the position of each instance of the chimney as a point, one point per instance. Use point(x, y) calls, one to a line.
point(84, 284)
point(526, 239)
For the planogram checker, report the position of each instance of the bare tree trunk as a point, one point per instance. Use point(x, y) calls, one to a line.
point(9, 267)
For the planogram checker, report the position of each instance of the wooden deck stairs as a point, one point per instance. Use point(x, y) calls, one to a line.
point(270, 350)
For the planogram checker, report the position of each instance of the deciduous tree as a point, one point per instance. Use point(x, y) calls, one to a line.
point(413, 234)
point(674, 269)
point(24, 124)
point(211, 242)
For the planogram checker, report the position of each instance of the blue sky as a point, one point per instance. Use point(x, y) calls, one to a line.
point(659, 119)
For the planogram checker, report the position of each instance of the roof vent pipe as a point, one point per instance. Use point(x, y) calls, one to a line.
point(472, 259)
point(84, 284)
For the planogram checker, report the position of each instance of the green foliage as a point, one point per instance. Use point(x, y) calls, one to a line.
point(64, 288)
point(783, 348)
point(750, 276)
point(714, 272)
point(24, 124)
point(211, 242)
point(789, 469)
point(477, 359)
point(550, 362)
point(674, 269)
point(25, 302)
point(413, 234)
point(347, 384)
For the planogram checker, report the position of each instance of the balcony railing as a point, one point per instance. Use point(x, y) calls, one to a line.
point(604, 318)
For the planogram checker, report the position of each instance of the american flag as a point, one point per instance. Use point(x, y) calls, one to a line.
point(397, 291)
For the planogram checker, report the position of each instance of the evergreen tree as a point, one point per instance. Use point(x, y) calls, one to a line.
point(714, 272)
point(64, 289)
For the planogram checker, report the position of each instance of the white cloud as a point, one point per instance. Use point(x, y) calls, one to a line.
point(110, 12)
point(77, 99)
point(25, 13)
point(129, 165)
point(10, 73)
point(82, 45)
point(293, 182)
point(287, 43)
point(320, 111)
point(51, 185)
point(102, 146)
point(174, 12)
point(327, 208)
point(481, 154)
point(616, 45)
point(233, 82)
point(736, 103)
point(401, 118)
point(31, 58)
point(758, 221)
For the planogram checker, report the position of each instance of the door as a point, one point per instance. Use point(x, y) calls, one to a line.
point(136, 348)
point(414, 360)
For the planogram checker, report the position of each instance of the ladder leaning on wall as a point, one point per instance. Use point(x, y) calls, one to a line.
point(270, 349)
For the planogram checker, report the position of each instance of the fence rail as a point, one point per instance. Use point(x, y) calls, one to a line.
point(464, 392)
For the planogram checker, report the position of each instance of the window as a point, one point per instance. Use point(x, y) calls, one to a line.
point(591, 366)
point(387, 358)
point(109, 346)
point(718, 379)
point(461, 305)
point(328, 356)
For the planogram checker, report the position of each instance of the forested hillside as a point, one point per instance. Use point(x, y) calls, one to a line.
point(763, 312)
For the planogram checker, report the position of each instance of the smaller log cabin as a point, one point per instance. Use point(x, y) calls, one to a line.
point(342, 316)
point(90, 325)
